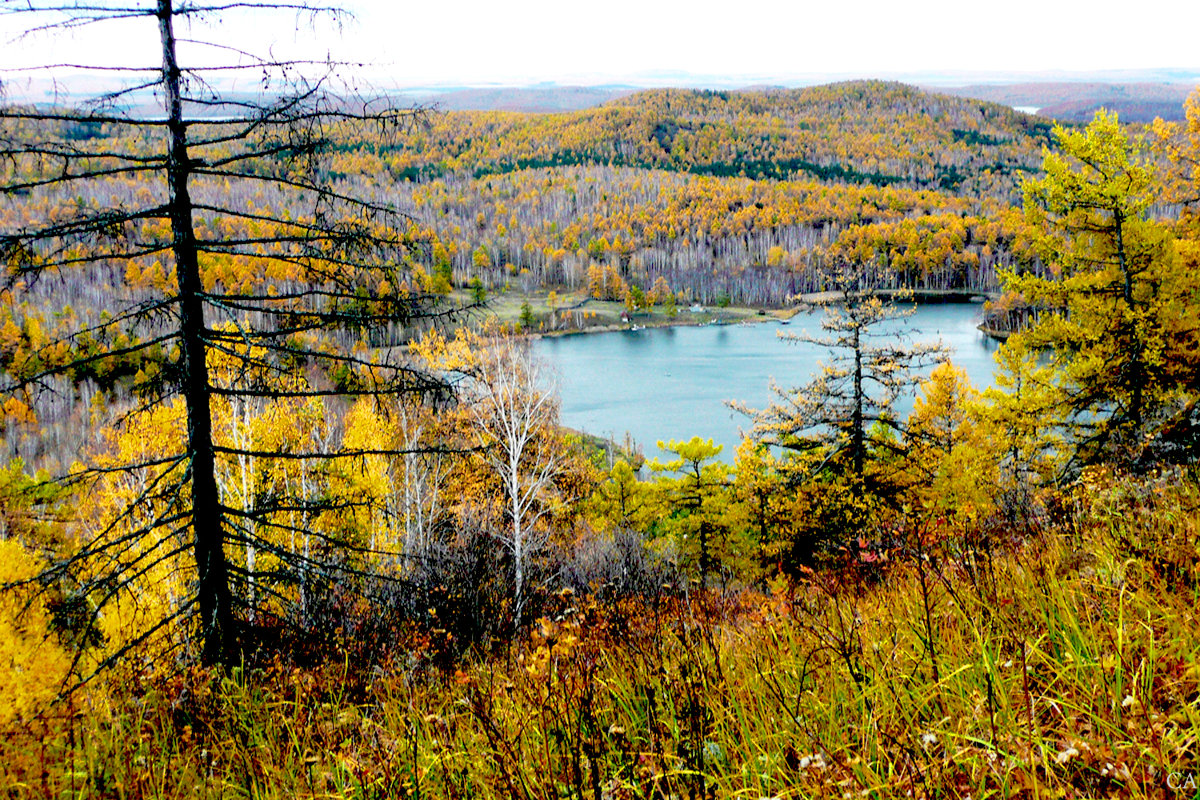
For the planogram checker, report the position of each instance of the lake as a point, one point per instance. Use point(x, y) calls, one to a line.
point(673, 383)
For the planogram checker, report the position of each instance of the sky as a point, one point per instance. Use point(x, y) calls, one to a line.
point(520, 42)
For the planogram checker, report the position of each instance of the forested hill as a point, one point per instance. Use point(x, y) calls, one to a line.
point(703, 195)
point(664, 196)
point(857, 132)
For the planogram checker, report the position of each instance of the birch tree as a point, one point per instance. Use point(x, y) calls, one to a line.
point(515, 416)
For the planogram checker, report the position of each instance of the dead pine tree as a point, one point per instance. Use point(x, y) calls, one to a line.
point(268, 265)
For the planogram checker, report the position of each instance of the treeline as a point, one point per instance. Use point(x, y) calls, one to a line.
point(714, 192)
point(755, 242)
point(546, 197)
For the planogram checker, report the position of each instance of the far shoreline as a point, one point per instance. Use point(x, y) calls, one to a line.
point(734, 316)
point(746, 315)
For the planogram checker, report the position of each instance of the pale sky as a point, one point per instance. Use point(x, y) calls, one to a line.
point(525, 41)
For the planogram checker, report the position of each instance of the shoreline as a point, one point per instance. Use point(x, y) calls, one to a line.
point(996, 333)
point(744, 315)
point(752, 317)
point(917, 296)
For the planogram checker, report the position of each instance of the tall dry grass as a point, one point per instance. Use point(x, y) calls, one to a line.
point(1066, 664)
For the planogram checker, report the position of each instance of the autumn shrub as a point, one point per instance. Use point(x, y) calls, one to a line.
point(33, 660)
point(460, 589)
point(617, 565)
point(1152, 520)
point(830, 518)
point(453, 598)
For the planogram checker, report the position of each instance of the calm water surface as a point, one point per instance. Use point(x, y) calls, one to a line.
point(673, 383)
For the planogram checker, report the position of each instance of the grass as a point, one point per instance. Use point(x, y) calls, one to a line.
point(1062, 665)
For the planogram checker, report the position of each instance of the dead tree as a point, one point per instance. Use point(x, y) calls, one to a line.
point(324, 267)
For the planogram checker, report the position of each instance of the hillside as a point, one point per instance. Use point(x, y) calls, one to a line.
point(707, 195)
point(1058, 662)
point(857, 132)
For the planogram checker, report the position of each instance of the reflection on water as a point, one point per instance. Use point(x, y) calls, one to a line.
point(673, 383)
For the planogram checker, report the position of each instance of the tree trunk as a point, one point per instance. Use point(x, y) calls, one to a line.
point(1136, 369)
point(858, 434)
point(706, 561)
point(216, 607)
point(518, 549)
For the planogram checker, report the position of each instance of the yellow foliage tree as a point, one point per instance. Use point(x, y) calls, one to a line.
point(33, 665)
point(952, 454)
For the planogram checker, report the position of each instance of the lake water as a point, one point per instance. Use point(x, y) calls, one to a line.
point(673, 383)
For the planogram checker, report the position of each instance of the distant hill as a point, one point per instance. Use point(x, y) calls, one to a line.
point(876, 132)
point(527, 99)
point(1078, 102)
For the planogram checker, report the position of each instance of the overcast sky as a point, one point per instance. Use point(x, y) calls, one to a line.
point(525, 41)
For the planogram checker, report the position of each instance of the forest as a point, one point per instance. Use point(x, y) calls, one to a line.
point(287, 510)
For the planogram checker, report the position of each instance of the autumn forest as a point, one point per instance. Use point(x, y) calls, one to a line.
point(288, 509)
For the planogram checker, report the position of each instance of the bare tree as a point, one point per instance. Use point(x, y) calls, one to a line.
point(424, 474)
point(322, 265)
